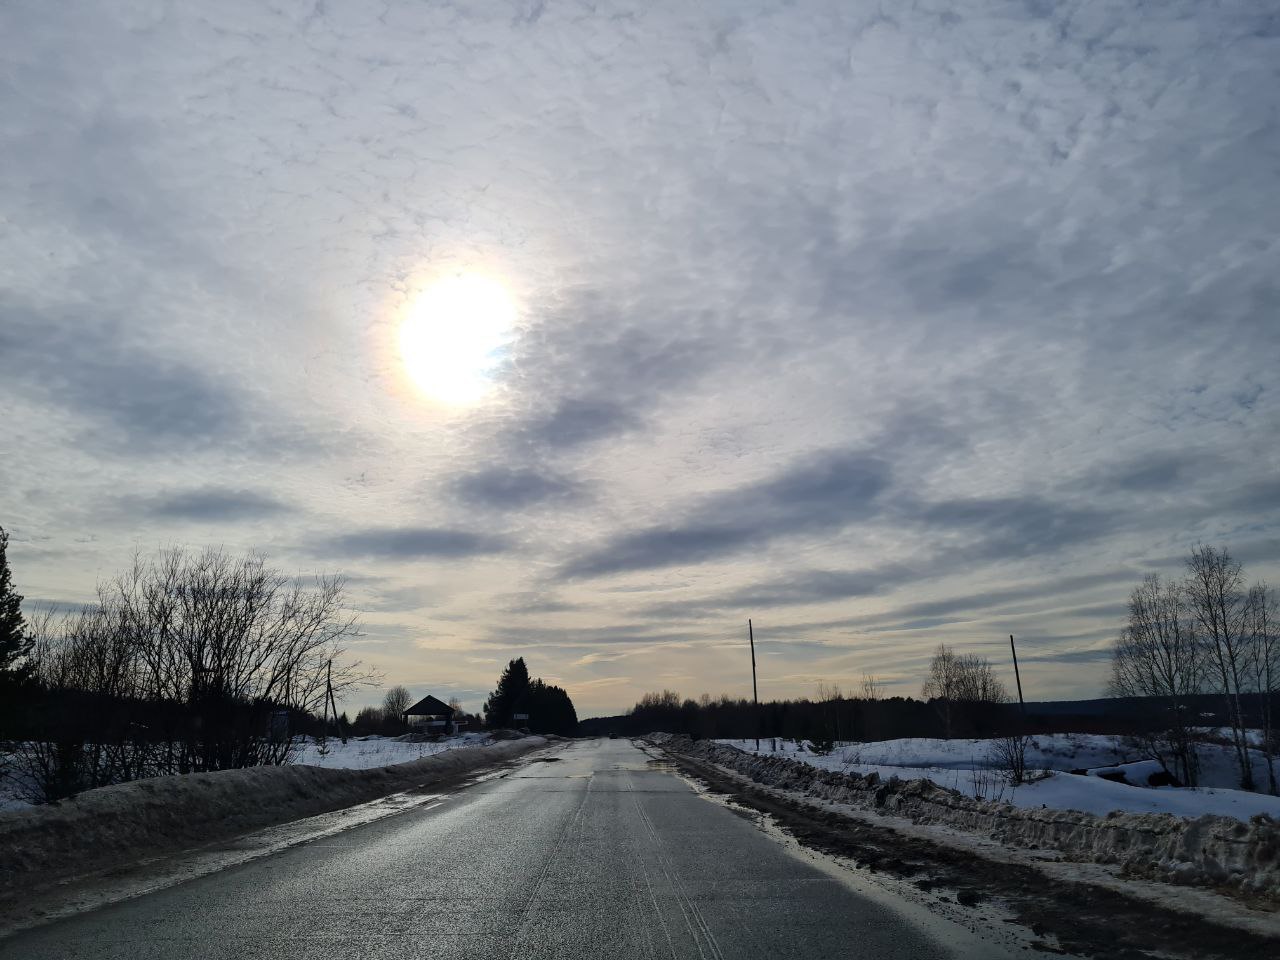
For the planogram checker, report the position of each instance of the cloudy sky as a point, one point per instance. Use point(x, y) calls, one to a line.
point(881, 324)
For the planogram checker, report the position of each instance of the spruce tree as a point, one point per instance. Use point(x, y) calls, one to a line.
point(15, 643)
point(511, 692)
point(551, 710)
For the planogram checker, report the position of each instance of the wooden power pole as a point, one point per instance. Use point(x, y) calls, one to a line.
point(755, 695)
point(1017, 677)
point(330, 703)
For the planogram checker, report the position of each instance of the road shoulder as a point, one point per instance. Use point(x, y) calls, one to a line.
point(1083, 909)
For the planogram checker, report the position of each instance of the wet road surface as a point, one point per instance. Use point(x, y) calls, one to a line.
point(596, 851)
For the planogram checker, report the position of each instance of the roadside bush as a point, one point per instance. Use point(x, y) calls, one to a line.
point(1009, 756)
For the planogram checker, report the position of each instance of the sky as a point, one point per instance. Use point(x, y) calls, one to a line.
point(883, 325)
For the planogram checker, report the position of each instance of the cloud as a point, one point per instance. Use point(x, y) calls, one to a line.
point(514, 488)
point(534, 601)
point(211, 505)
point(821, 586)
point(1042, 590)
point(416, 543)
point(1027, 339)
point(827, 491)
point(1258, 499)
point(381, 598)
point(1155, 472)
point(575, 422)
point(1000, 527)
point(1069, 656)
point(98, 370)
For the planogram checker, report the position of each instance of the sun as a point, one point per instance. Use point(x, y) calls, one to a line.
point(453, 335)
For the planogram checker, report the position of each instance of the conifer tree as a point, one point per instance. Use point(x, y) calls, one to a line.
point(15, 642)
point(511, 692)
point(550, 710)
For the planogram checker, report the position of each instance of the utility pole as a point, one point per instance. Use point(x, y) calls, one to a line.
point(330, 702)
point(1018, 677)
point(755, 695)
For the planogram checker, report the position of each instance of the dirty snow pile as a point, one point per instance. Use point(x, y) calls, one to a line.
point(146, 818)
point(1208, 850)
point(966, 766)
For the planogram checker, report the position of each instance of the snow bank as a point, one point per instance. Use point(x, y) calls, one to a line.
point(1052, 751)
point(1093, 794)
point(145, 818)
point(952, 764)
point(1208, 850)
point(358, 753)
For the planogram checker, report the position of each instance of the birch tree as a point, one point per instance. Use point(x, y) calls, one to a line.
point(1265, 640)
point(1157, 655)
point(1218, 602)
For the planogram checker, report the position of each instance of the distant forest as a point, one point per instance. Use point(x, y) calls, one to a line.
point(890, 718)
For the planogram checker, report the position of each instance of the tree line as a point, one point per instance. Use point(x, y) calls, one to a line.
point(962, 696)
point(830, 717)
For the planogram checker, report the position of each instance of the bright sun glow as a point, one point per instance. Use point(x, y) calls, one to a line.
point(453, 334)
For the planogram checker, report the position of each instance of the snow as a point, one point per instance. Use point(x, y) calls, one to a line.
point(13, 790)
point(964, 765)
point(363, 753)
point(1064, 791)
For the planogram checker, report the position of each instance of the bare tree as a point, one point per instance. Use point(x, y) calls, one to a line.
point(872, 687)
point(60, 761)
point(1158, 655)
point(1009, 754)
point(1265, 640)
point(182, 665)
point(395, 703)
point(961, 685)
point(1217, 599)
point(943, 684)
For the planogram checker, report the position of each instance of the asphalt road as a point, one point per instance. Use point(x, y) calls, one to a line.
point(603, 852)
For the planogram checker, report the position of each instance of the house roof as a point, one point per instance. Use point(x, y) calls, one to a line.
point(429, 706)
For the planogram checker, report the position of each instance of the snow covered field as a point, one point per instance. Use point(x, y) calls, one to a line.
point(965, 765)
point(366, 752)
